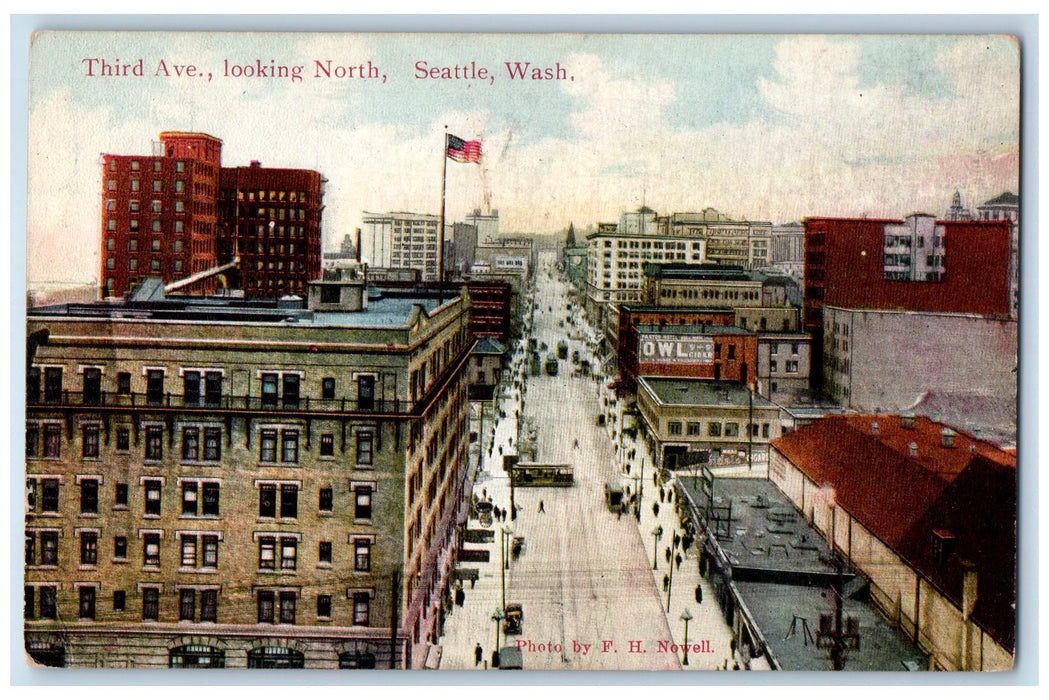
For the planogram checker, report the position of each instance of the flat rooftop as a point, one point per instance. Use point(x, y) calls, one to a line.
point(390, 309)
point(674, 391)
point(783, 571)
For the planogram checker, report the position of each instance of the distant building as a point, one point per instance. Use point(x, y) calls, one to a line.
point(575, 265)
point(727, 241)
point(638, 223)
point(401, 239)
point(347, 251)
point(486, 225)
point(177, 214)
point(507, 255)
point(485, 369)
point(927, 515)
point(464, 246)
point(1006, 207)
point(787, 252)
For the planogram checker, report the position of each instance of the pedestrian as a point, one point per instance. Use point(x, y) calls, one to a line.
point(699, 594)
point(655, 509)
point(677, 560)
point(619, 514)
point(541, 508)
point(666, 582)
point(662, 494)
point(677, 540)
point(478, 654)
point(667, 554)
point(670, 496)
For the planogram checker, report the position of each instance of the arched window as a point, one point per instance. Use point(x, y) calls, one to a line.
point(275, 657)
point(356, 659)
point(196, 656)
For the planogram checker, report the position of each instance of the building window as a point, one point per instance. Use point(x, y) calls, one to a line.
point(773, 366)
point(132, 245)
point(119, 547)
point(364, 447)
point(289, 440)
point(134, 184)
point(155, 204)
point(156, 166)
point(157, 186)
point(151, 549)
point(291, 390)
point(674, 428)
point(53, 384)
point(265, 606)
point(187, 604)
point(764, 430)
point(189, 498)
point(328, 388)
point(154, 443)
point(209, 605)
point(289, 501)
point(267, 552)
point(49, 549)
point(209, 505)
point(268, 446)
point(52, 441)
point(714, 429)
point(363, 503)
point(324, 501)
point(267, 501)
point(362, 555)
point(269, 390)
point(120, 496)
point(123, 382)
point(89, 496)
point(791, 366)
point(288, 553)
point(694, 429)
point(88, 548)
point(87, 602)
point(366, 392)
point(324, 606)
point(287, 607)
point(48, 602)
point(327, 445)
point(189, 551)
point(180, 206)
point(324, 553)
point(212, 444)
point(180, 185)
point(150, 603)
point(360, 608)
point(152, 489)
point(155, 386)
point(119, 601)
point(731, 429)
point(209, 551)
point(190, 444)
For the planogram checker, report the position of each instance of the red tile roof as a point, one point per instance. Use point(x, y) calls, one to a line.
point(968, 489)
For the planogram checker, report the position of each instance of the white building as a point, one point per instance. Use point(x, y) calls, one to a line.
point(914, 249)
point(487, 224)
point(401, 239)
point(788, 249)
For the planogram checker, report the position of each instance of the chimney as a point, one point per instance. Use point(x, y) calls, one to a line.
point(913, 449)
point(357, 244)
point(908, 421)
point(947, 437)
point(874, 427)
point(256, 164)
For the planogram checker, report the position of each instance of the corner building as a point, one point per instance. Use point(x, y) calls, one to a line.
point(243, 483)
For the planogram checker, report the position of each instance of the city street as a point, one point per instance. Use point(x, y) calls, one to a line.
point(590, 597)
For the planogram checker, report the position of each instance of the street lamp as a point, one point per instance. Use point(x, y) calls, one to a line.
point(497, 617)
point(686, 616)
point(506, 534)
point(657, 532)
point(670, 583)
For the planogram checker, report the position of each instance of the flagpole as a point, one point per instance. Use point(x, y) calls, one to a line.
point(440, 231)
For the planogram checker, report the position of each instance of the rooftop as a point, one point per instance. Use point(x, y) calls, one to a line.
point(896, 476)
point(701, 392)
point(390, 309)
point(783, 571)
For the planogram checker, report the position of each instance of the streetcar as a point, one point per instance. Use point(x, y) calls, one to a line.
point(530, 474)
point(551, 365)
point(614, 496)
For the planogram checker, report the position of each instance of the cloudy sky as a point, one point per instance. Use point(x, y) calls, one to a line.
point(774, 127)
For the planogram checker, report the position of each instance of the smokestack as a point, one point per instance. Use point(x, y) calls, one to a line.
point(357, 244)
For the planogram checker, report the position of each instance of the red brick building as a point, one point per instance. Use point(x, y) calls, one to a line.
point(158, 212)
point(698, 343)
point(916, 264)
point(178, 213)
point(490, 310)
point(271, 218)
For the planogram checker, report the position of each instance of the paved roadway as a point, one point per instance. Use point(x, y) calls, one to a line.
point(585, 576)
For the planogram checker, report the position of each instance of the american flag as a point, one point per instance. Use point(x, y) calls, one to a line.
point(463, 151)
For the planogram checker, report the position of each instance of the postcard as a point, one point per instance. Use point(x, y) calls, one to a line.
point(517, 352)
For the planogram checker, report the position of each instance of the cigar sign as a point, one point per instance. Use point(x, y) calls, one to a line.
point(665, 347)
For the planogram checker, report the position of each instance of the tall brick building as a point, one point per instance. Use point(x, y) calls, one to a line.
point(178, 214)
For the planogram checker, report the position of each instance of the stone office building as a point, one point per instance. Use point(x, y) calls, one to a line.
point(243, 483)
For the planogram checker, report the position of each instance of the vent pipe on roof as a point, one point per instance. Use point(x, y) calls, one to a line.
point(874, 427)
point(947, 437)
point(914, 449)
point(908, 421)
